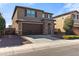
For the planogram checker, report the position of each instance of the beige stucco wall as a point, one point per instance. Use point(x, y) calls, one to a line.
point(21, 14)
point(59, 23)
point(14, 24)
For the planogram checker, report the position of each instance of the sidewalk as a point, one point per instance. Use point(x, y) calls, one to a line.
point(36, 46)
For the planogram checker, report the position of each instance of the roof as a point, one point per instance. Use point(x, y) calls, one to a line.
point(65, 14)
point(27, 8)
point(48, 13)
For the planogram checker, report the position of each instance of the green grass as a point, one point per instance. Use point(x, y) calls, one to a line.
point(71, 37)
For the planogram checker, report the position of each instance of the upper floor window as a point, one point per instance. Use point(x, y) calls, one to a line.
point(30, 12)
point(46, 15)
point(43, 15)
point(49, 16)
point(73, 16)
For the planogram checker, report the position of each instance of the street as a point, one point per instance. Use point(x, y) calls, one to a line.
point(60, 51)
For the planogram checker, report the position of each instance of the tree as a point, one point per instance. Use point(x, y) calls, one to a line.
point(2, 25)
point(68, 24)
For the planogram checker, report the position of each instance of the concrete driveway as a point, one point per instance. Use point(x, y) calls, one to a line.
point(39, 38)
point(47, 39)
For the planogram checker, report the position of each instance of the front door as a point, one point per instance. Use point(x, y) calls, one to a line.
point(49, 29)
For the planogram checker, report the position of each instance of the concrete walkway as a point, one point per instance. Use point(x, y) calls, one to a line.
point(45, 44)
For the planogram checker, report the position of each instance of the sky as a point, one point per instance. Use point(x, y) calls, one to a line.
point(56, 8)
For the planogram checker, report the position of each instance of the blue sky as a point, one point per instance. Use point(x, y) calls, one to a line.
point(56, 8)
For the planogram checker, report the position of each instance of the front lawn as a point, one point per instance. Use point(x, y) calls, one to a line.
point(71, 36)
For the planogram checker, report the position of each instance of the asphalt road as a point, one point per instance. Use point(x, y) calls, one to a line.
point(60, 51)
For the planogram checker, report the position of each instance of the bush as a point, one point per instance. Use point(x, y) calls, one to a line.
point(71, 37)
point(68, 25)
point(2, 25)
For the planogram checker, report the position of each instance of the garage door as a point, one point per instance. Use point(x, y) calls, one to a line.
point(76, 30)
point(32, 29)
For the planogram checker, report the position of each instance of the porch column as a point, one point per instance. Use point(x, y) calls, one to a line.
point(45, 27)
point(52, 28)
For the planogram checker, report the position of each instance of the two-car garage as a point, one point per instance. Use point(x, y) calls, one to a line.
point(29, 29)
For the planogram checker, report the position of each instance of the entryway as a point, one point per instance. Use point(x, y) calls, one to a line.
point(49, 28)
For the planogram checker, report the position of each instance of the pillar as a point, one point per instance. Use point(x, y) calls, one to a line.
point(45, 27)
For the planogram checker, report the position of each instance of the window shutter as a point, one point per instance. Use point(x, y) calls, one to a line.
point(77, 16)
point(46, 15)
point(25, 13)
point(35, 13)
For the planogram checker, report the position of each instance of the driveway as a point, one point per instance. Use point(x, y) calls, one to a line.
point(47, 39)
point(11, 40)
point(40, 38)
point(37, 39)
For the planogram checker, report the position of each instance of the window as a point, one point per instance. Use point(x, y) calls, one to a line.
point(73, 16)
point(30, 12)
point(43, 15)
point(49, 16)
point(46, 15)
point(77, 16)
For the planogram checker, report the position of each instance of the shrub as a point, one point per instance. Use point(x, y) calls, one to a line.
point(68, 25)
point(2, 25)
point(71, 37)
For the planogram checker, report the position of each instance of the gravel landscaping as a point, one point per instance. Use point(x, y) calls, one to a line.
point(11, 40)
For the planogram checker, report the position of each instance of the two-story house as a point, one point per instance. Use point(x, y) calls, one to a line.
point(27, 20)
point(59, 21)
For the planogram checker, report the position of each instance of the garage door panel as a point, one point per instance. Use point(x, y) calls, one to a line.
point(32, 28)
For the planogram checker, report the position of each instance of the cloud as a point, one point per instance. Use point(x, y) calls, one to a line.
point(25, 4)
point(72, 6)
point(68, 7)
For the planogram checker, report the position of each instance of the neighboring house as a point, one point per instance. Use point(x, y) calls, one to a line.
point(9, 30)
point(27, 20)
point(9, 26)
point(59, 21)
